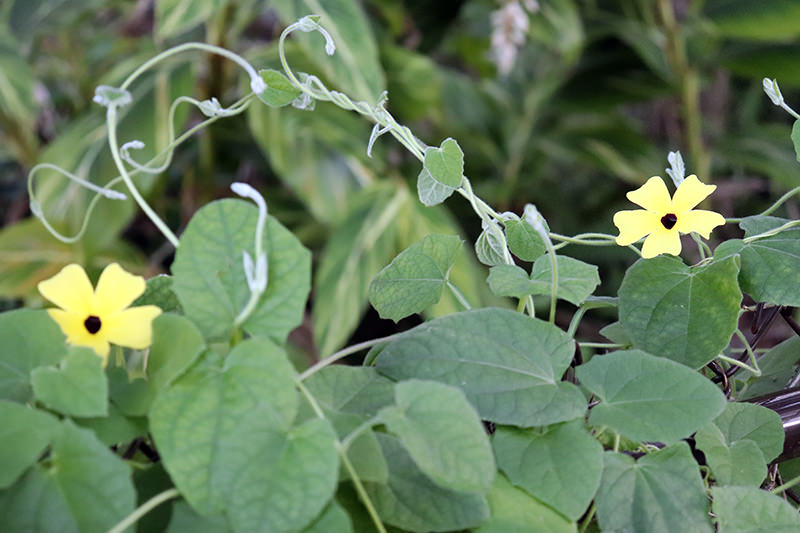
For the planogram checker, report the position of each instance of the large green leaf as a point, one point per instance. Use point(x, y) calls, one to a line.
point(77, 387)
point(514, 511)
point(217, 421)
point(356, 251)
point(649, 398)
point(176, 16)
point(576, 280)
point(443, 434)
point(752, 510)
point(30, 339)
point(770, 269)
point(412, 501)
point(415, 279)
point(23, 436)
point(660, 493)
point(83, 488)
point(354, 68)
point(687, 314)
point(209, 278)
point(560, 465)
point(508, 365)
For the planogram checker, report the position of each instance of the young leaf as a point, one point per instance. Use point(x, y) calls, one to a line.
point(745, 421)
point(648, 398)
point(515, 511)
point(508, 365)
point(660, 493)
point(443, 434)
point(414, 280)
point(78, 387)
point(576, 280)
point(523, 241)
point(209, 278)
point(24, 434)
point(751, 510)
point(30, 339)
point(446, 163)
point(796, 138)
point(489, 248)
point(687, 314)
point(559, 465)
point(430, 191)
point(733, 463)
point(412, 501)
point(280, 91)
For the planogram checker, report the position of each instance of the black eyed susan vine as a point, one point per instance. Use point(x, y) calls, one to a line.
point(482, 420)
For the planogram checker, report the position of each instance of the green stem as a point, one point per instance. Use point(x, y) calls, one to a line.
point(788, 485)
point(701, 246)
point(780, 201)
point(774, 231)
point(459, 295)
point(588, 518)
point(345, 352)
point(143, 509)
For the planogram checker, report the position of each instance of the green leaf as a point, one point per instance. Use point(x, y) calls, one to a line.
point(159, 293)
point(778, 369)
point(768, 20)
point(508, 365)
point(84, 488)
point(30, 339)
point(576, 280)
point(745, 421)
point(24, 434)
point(687, 314)
point(660, 493)
point(647, 398)
point(796, 138)
point(414, 280)
point(115, 428)
point(216, 420)
point(280, 91)
point(355, 67)
point(489, 248)
point(412, 501)
point(752, 510)
point(176, 16)
point(770, 269)
point(78, 387)
point(616, 334)
point(177, 343)
point(736, 463)
point(430, 191)
point(559, 465)
point(209, 278)
point(514, 511)
point(446, 163)
point(356, 251)
point(443, 434)
point(523, 241)
point(186, 520)
point(333, 519)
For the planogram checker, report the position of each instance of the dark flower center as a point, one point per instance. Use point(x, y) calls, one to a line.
point(92, 324)
point(669, 220)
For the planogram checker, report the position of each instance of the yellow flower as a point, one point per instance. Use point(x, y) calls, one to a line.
point(663, 219)
point(95, 317)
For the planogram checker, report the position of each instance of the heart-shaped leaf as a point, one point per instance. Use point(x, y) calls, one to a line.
point(446, 163)
point(279, 91)
point(78, 387)
point(576, 280)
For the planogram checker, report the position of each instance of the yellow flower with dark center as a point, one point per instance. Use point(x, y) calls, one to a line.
point(96, 317)
point(663, 219)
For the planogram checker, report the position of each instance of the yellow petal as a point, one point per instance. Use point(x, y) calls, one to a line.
point(653, 196)
point(116, 290)
point(663, 241)
point(633, 225)
point(132, 328)
point(70, 289)
point(700, 221)
point(690, 193)
point(72, 326)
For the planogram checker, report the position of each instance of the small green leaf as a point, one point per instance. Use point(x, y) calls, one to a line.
point(737, 463)
point(510, 280)
point(515, 511)
point(78, 387)
point(508, 365)
point(560, 465)
point(443, 434)
point(430, 191)
point(489, 248)
point(687, 314)
point(576, 280)
point(752, 510)
point(414, 280)
point(745, 421)
point(660, 493)
point(523, 240)
point(24, 434)
point(648, 398)
point(413, 502)
point(280, 91)
point(30, 339)
point(446, 163)
point(159, 293)
point(796, 138)
point(778, 369)
point(84, 488)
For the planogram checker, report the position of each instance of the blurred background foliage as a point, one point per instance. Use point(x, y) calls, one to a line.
point(567, 104)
